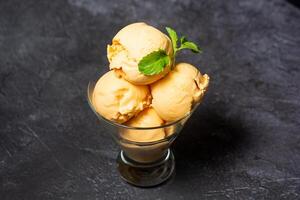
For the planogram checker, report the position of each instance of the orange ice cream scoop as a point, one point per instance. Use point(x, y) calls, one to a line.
point(117, 99)
point(175, 94)
point(146, 118)
point(131, 44)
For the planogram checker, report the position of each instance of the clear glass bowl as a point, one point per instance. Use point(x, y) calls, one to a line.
point(144, 164)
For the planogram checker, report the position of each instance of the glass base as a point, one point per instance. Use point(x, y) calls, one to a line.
point(146, 175)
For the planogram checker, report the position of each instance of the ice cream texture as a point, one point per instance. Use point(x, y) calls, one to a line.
point(131, 44)
point(146, 118)
point(175, 94)
point(117, 99)
point(145, 153)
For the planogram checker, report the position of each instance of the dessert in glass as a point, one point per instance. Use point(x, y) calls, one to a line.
point(147, 99)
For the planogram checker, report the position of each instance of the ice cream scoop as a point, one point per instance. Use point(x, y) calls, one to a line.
point(117, 99)
point(131, 44)
point(175, 94)
point(144, 153)
point(146, 118)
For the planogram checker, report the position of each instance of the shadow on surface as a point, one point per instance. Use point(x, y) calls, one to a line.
point(208, 141)
point(295, 3)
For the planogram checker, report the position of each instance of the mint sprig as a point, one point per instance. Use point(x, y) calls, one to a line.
point(184, 43)
point(156, 61)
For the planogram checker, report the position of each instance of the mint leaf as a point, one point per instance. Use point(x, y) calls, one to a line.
point(154, 63)
point(173, 36)
point(190, 45)
point(183, 39)
point(184, 43)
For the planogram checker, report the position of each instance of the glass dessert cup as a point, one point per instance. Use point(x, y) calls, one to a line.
point(144, 164)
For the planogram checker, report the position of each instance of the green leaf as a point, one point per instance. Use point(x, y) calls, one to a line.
point(183, 39)
point(154, 63)
point(190, 45)
point(173, 35)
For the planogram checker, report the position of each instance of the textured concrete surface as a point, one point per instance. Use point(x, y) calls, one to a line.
point(242, 143)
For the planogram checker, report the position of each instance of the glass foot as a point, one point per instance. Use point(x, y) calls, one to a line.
point(146, 175)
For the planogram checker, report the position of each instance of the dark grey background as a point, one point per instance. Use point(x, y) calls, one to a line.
point(242, 143)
